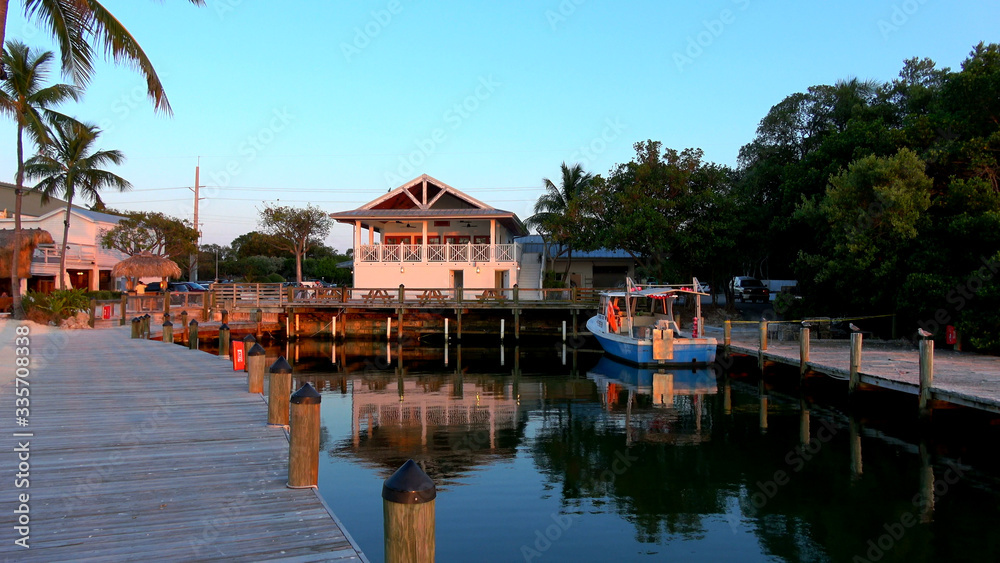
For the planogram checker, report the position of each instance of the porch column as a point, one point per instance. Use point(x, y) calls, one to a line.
point(423, 238)
point(493, 249)
point(95, 277)
point(357, 239)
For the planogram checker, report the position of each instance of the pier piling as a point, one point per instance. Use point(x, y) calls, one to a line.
point(408, 515)
point(277, 397)
point(303, 439)
point(256, 362)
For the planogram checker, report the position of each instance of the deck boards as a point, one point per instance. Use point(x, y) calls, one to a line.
point(963, 378)
point(147, 451)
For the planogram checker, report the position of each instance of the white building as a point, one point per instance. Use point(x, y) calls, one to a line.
point(88, 264)
point(427, 234)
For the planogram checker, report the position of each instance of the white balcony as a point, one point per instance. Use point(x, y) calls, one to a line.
point(438, 253)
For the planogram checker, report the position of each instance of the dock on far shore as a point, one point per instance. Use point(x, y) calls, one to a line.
point(961, 378)
point(138, 450)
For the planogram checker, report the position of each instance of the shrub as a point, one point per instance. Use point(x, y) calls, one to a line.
point(273, 278)
point(55, 306)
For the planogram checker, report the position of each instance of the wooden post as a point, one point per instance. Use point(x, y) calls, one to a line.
point(517, 320)
point(223, 340)
point(803, 352)
point(225, 316)
point(502, 328)
point(408, 515)
point(763, 335)
point(855, 379)
point(124, 306)
point(854, 430)
point(459, 328)
point(168, 331)
point(926, 376)
point(575, 315)
point(248, 342)
point(564, 330)
point(259, 317)
point(193, 334)
point(388, 329)
point(206, 304)
point(303, 439)
point(402, 293)
point(727, 336)
point(333, 327)
point(184, 324)
point(399, 326)
point(145, 325)
point(93, 313)
point(166, 302)
point(446, 335)
point(256, 362)
point(277, 397)
point(516, 290)
point(136, 327)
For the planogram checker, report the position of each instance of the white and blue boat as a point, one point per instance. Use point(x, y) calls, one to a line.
point(637, 324)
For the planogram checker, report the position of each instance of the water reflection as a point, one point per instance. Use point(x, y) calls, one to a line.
point(643, 463)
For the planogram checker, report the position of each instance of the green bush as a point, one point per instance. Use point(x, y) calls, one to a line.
point(273, 278)
point(104, 295)
point(55, 306)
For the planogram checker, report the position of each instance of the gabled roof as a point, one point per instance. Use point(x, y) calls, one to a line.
point(427, 197)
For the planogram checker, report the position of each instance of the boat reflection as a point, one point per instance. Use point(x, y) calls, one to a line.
point(660, 404)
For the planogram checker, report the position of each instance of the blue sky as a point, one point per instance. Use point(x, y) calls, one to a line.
point(334, 103)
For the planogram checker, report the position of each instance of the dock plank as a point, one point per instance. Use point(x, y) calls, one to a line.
point(147, 451)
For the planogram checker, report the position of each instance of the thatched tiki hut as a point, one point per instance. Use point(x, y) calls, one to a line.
point(30, 239)
point(146, 265)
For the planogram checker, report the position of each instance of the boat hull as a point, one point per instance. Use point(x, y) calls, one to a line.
point(687, 351)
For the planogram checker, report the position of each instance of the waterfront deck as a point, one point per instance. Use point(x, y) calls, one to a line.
point(147, 451)
point(962, 378)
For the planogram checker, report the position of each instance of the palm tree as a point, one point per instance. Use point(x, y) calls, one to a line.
point(76, 25)
point(556, 215)
point(23, 98)
point(68, 165)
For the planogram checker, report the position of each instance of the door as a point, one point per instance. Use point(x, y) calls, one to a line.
point(457, 281)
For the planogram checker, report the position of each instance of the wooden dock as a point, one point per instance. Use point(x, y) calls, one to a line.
point(962, 378)
point(141, 450)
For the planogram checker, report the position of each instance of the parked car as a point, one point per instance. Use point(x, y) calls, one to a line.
point(194, 286)
point(746, 288)
point(154, 287)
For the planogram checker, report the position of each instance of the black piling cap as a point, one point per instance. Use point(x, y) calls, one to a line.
point(249, 338)
point(146, 316)
point(136, 319)
point(223, 326)
point(256, 350)
point(409, 485)
point(281, 366)
point(168, 323)
point(194, 322)
point(306, 395)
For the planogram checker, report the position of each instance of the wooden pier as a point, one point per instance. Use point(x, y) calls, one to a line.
point(961, 378)
point(141, 450)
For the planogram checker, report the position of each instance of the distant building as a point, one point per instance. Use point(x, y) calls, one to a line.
point(88, 263)
point(591, 268)
point(427, 234)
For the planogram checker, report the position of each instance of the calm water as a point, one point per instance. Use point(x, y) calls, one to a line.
point(544, 456)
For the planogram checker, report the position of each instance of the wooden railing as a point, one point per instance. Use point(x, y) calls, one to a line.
point(467, 252)
point(253, 295)
point(149, 302)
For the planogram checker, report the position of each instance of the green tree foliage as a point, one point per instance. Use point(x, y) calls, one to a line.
point(295, 229)
point(69, 165)
point(256, 243)
point(669, 210)
point(869, 217)
point(24, 99)
point(153, 232)
point(558, 216)
point(79, 25)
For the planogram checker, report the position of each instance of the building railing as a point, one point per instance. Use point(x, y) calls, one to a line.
point(74, 253)
point(439, 252)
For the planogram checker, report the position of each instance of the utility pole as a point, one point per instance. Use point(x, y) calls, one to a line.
point(193, 274)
